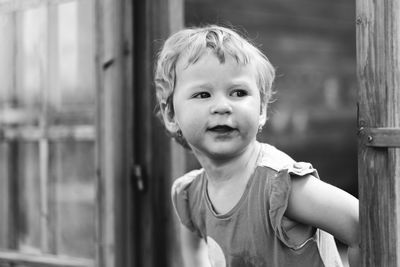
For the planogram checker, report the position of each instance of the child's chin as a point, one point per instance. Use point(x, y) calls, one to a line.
point(224, 152)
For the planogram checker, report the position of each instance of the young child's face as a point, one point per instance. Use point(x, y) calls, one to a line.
point(217, 105)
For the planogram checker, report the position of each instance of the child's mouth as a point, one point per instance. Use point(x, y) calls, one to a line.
point(222, 129)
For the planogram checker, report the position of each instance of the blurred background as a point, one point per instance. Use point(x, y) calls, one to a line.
point(85, 167)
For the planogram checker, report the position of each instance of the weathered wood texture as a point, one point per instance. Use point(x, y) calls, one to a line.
point(43, 260)
point(381, 137)
point(154, 21)
point(378, 66)
point(114, 132)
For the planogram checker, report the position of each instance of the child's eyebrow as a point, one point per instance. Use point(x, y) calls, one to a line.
point(197, 85)
point(207, 85)
point(240, 82)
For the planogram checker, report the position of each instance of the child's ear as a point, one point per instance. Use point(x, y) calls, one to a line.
point(263, 115)
point(169, 118)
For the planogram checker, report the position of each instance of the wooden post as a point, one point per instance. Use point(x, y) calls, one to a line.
point(114, 131)
point(154, 21)
point(378, 66)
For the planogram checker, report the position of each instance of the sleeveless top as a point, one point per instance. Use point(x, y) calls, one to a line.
point(255, 232)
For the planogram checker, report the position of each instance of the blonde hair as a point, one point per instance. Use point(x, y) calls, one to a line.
point(192, 43)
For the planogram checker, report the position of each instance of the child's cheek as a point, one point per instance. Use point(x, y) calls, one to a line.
point(193, 129)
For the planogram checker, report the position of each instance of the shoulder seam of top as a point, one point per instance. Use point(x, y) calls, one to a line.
point(274, 158)
point(185, 180)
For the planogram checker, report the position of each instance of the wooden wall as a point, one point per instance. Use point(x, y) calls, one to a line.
point(312, 45)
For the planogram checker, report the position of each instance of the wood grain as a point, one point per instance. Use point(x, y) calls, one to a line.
point(156, 235)
point(381, 137)
point(44, 260)
point(378, 60)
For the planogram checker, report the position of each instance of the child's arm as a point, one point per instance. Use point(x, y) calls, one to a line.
point(194, 249)
point(326, 207)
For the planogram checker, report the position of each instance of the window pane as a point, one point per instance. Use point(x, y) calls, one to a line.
point(31, 66)
point(47, 68)
point(72, 92)
point(6, 58)
point(29, 197)
point(4, 214)
point(73, 170)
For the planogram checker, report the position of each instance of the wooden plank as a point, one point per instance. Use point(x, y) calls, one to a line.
point(22, 116)
point(154, 22)
point(52, 133)
point(112, 132)
point(44, 193)
point(44, 260)
point(381, 137)
point(43, 57)
point(50, 77)
point(128, 251)
point(14, 170)
point(143, 124)
point(378, 62)
point(14, 193)
point(107, 72)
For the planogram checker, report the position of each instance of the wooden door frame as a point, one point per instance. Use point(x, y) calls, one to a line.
point(114, 130)
point(134, 155)
point(155, 231)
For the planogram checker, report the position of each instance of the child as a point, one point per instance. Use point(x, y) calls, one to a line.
point(250, 204)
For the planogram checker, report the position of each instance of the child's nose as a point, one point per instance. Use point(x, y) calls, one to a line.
point(221, 106)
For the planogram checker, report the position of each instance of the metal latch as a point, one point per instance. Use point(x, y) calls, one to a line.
point(137, 173)
point(380, 137)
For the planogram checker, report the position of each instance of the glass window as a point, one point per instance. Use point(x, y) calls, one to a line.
point(47, 130)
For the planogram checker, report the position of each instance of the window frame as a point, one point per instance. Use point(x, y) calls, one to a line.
point(42, 134)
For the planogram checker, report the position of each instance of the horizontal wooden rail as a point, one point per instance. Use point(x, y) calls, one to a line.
point(380, 137)
point(52, 133)
point(44, 260)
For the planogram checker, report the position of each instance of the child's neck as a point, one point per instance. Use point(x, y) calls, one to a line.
point(236, 168)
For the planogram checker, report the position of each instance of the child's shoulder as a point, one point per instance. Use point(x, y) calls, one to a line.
point(274, 158)
point(278, 160)
point(181, 200)
point(182, 183)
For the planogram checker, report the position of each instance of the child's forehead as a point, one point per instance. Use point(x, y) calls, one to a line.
point(209, 68)
point(185, 61)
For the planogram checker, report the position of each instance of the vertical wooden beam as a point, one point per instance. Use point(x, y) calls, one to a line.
point(378, 67)
point(13, 147)
point(50, 78)
point(128, 218)
point(113, 131)
point(154, 21)
point(143, 125)
point(107, 76)
point(14, 193)
point(44, 193)
point(108, 129)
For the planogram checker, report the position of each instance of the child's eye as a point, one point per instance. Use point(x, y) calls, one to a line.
point(201, 95)
point(239, 93)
